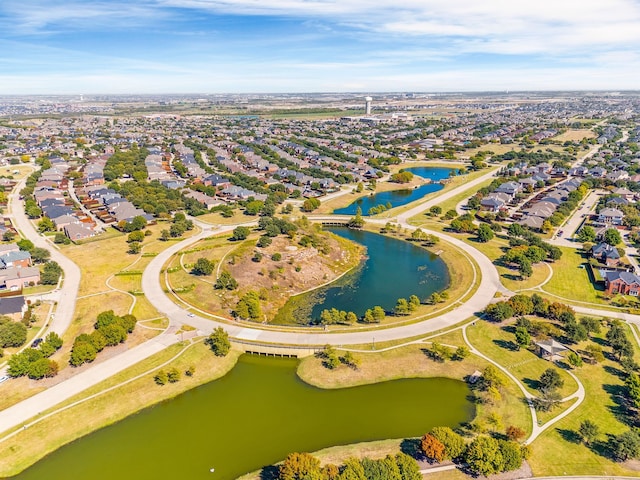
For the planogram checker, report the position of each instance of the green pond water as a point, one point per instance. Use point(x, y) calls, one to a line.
point(253, 417)
point(393, 269)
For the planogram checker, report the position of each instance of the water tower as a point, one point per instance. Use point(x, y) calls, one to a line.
point(367, 105)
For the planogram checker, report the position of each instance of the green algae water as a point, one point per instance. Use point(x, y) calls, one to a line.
point(253, 417)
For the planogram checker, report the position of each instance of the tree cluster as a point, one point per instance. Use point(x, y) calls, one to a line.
point(303, 466)
point(483, 455)
point(109, 330)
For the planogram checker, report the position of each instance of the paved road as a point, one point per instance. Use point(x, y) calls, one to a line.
point(68, 293)
point(405, 216)
point(571, 225)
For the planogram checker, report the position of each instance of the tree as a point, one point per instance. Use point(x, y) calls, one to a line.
point(134, 248)
point(523, 338)
point(353, 470)
point(378, 313)
point(173, 375)
point(203, 266)
point(414, 302)
point(550, 380)
point(525, 268)
point(349, 360)
point(113, 334)
point(240, 233)
point(612, 237)
point(591, 325)
point(357, 221)
point(461, 353)
point(26, 245)
point(575, 332)
point(511, 455)
point(432, 448)
point(264, 241)
point(483, 456)
point(12, 334)
point(435, 210)
point(300, 466)
point(249, 306)
point(453, 443)
point(408, 467)
point(165, 235)
point(42, 368)
point(51, 273)
point(499, 311)
point(402, 307)
point(587, 234)
point(485, 233)
point(589, 431)
point(82, 352)
point(219, 342)
point(137, 236)
point(595, 352)
point(515, 433)
point(61, 238)
point(226, 282)
point(46, 225)
point(625, 446)
point(574, 359)
point(492, 377)
point(310, 204)
point(161, 377)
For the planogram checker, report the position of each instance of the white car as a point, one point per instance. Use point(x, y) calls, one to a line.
point(191, 315)
point(4, 378)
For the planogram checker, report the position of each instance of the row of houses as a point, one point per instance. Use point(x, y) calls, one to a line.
point(50, 193)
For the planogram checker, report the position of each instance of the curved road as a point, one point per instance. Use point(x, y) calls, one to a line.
point(66, 295)
point(153, 289)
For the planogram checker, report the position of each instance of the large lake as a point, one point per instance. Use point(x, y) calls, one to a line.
point(252, 417)
point(393, 269)
point(401, 197)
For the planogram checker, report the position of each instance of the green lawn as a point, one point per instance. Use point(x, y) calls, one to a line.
point(498, 344)
point(572, 282)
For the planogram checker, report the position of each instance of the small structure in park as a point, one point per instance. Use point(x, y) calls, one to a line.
point(550, 349)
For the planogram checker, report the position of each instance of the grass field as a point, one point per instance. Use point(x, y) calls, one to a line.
point(499, 344)
point(572, 282)
point(575, 135)
point(558, 451)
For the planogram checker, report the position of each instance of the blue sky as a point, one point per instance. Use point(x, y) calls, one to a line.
point(235, 46)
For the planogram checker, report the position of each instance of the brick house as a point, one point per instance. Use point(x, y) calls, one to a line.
point(625, 283)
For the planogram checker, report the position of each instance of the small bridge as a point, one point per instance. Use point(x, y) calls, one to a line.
point(337, 220)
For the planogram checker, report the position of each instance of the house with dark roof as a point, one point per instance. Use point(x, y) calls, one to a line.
point(606, 254)
point(625, 283)
point(12, 305)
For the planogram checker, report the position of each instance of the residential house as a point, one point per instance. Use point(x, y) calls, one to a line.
point(606, 254)
point(15, 278)
point(610, 216)
point(78, 231)
point(15, 258)
point(625, 283)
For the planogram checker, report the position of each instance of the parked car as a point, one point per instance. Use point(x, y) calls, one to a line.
point(4, 378)
point(36, 342)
